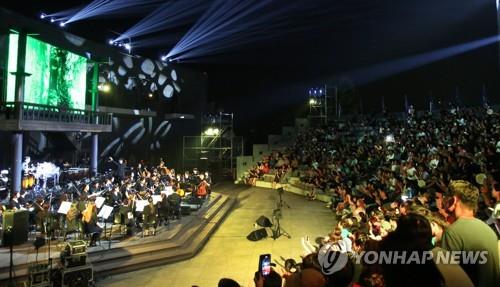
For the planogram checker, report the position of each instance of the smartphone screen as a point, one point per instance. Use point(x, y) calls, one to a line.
point(265, 264)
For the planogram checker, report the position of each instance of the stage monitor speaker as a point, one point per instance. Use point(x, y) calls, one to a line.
point(257, 235)
point(264, 222)
point(15, 226)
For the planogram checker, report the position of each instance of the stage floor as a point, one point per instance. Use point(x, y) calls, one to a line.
point(228, 253)
point(25, 254)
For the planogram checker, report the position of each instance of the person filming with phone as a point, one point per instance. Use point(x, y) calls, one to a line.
point(266, 276)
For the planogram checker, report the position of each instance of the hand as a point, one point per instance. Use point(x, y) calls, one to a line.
point(258, 279)
point(285, 274)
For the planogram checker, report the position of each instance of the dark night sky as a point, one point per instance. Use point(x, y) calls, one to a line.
point(266, 83)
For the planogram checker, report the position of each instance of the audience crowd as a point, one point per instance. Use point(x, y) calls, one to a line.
point(427, 183)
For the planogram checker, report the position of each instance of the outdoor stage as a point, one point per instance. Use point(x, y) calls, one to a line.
point(182, 239)
point(228, 253)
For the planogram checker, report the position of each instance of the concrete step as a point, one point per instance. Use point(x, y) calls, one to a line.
point(265, 184)
point(189, 246)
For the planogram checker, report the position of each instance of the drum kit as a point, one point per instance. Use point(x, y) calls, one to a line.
point(41, 175)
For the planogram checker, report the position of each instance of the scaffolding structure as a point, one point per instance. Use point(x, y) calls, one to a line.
point(323, 105)
point(216, 148)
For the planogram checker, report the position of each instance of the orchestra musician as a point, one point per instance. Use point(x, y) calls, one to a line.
point(203, 186)
point(121, 194)
point(90, 226)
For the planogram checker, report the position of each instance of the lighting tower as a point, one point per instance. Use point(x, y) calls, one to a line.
point(318, 105)
point(216, 148)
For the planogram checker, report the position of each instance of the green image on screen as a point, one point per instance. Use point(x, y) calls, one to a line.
point(58, 77)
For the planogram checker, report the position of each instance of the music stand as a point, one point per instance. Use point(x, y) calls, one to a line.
point(104, 213)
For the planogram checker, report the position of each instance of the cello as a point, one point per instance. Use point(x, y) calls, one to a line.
point(202, 189)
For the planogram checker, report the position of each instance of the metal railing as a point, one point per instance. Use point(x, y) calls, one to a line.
point(36, 112)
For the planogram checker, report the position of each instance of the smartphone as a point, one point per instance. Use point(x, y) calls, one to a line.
point(265, 264)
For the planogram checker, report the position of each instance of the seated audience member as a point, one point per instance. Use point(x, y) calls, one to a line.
point(227, 282)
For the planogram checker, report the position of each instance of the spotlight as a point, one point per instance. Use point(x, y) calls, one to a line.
point(120, 45)
point(212, 131)
point(42, 16)
point(62, 24)
point(127, 46)
point(104, 88)
point(150, 95)
point(52, 20)
point(164, 58)
point(312, 102)
point(111, 42)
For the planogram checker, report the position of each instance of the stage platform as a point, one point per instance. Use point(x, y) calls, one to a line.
point(180, 240)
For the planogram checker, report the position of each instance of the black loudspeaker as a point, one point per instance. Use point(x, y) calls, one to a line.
point(15, 226)
point(257, 235)
point(264, 222)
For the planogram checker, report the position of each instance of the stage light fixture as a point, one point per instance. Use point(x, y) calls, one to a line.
point(128, 47)
point(212, 132)
point(62, 24)
point(42, 16)
point(111, 42)
point(52, 20)
point(105, 87)
point(150, 95)
point(312, 102)
point(163, 58)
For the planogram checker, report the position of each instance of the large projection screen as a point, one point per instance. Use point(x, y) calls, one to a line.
point(57, 77)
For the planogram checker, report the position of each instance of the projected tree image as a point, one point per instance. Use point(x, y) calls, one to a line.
point(58, 77)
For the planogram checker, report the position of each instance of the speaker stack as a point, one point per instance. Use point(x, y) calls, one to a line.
point(75, 271)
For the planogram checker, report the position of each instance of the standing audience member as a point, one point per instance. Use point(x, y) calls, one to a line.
point(468, 233)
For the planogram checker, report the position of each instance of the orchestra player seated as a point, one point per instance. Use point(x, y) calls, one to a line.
point(149, 217)
point(90, 222)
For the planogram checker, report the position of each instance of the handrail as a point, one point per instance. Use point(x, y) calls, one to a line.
point(36, 112)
